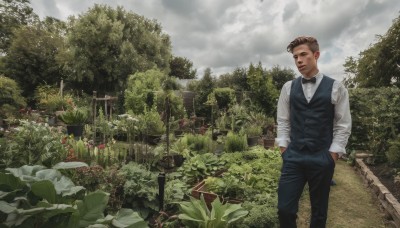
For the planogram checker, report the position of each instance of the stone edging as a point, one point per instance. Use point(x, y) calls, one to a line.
point(389, 203)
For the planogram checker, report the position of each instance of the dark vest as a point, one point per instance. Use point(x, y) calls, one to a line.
point(311, 124)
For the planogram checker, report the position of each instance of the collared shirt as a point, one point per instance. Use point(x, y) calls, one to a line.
point(342, 118)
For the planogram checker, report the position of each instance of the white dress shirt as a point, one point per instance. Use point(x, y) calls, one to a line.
point(342, 118)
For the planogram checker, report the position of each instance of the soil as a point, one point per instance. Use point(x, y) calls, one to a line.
point(385, 175)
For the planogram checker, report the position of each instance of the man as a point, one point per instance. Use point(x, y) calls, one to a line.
point(314, 124)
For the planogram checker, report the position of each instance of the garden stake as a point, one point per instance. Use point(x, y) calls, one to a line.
point(161, 185)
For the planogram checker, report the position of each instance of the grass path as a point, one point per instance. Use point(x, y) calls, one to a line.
point(351, 204)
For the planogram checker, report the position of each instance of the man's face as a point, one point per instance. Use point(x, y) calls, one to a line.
point(306, 60)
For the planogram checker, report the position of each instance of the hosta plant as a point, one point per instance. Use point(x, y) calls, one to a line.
point(195, 213)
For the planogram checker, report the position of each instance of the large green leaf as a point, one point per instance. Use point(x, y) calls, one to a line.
point(129, 219)
point(69, 165)
point(26, 173)
point(91, 208)
point(45, 189)
point(9, 182)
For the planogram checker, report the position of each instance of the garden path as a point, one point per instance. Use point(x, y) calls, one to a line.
point(351, 204)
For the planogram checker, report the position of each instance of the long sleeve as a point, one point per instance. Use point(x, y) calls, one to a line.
point(283, 117)
point(342, 119)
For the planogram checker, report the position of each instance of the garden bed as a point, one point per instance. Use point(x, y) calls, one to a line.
point(389, 203)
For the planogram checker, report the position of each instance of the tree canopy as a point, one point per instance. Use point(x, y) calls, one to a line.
point(379, 65)
point(105, 45)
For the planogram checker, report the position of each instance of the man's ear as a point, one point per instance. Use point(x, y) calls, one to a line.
point(316, 55)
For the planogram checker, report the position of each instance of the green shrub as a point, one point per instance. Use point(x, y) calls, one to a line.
point(235, 142)
point(199, 143)
point(35, 144)
point(393, 153)
point(75, 116)
point(11, 99)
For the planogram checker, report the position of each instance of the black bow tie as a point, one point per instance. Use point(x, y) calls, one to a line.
point(312, 80)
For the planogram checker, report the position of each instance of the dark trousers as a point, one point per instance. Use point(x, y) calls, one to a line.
point(299, 168)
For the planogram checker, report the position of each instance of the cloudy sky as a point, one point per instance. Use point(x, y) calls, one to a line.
point(225, 34)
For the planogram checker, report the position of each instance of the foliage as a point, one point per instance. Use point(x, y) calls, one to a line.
point(235, 142)
point(10, 97)
point(377, 66)
point(13, 14)
point(198, 143)
point(141, 88)
point(196, 213)
point(140, 188)
point(175, 191)
point(181, 68)
point(49, 98)
point(237, 80)
point(34, 144)
point(264, 215)
point(252, 130)
point(105, 45)
point(393, 152)
point(376, 119)
point(225, 97)
point(200, 166)
point(75, 116)
point(203, 88)
point(150, 123)
point(176, 108)
point(31, 58)
point(281, 76)
point(39, 197)
point(263, 91)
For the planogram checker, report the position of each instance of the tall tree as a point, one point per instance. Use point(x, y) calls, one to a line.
point(281, 75)
point(182, 68)
point(379, 65)
point(263, 91)
point(204, 88)
point(105, 45)
point(31, 58)
point(236, 80)
point(13, 14)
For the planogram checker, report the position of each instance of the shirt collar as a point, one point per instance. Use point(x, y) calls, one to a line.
point(319, 76)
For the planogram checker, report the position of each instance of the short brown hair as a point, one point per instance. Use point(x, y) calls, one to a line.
point(311, 42)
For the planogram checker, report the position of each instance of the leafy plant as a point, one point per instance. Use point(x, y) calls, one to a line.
point(75, 116)
point(33, 196)
point(200, 166)
point(10, 97)
point(195, 213)
point(235, 142)
point(34, 144)
point(140, 188)
point(252, 130)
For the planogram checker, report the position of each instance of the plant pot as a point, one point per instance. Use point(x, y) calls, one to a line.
point(252, 141)
point(209, 197)
point(269, 143)
point(75, 130)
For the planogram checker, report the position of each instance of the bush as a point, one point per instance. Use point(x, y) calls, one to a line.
point(11, 99)
point(235, 142)
point(393, 153)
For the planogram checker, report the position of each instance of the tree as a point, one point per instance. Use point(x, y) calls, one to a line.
point(31, 58)
point(379, 65)
point(281, 76)
point(182, 68)
point(263, 91)
point(105, 45)
point(10, 97)
point(236, 80)
point(203, 89)
point(13, 14)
